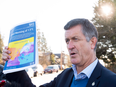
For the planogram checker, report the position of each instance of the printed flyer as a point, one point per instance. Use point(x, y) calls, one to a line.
point(22, 44)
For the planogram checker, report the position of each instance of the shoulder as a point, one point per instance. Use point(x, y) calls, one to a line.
point(105, 71)
point(107, 75)
point(108, 78)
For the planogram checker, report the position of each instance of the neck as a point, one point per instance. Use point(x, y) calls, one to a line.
point(81, 67)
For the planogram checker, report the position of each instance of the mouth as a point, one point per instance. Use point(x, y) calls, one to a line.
point(72, 54)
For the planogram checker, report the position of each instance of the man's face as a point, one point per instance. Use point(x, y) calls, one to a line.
point(79, 49)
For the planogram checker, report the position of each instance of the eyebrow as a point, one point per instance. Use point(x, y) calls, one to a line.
point(72, 37)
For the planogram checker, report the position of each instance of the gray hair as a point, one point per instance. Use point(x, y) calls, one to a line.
point(88, 29)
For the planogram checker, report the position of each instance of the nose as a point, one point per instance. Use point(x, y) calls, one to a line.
point(70, 45)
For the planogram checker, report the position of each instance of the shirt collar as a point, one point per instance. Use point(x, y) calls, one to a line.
point(88, 70)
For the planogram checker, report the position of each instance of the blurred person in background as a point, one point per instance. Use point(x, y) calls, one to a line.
point(86, 71)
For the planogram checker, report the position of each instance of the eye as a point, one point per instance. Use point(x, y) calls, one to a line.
point(75, 39)
point(67, 41)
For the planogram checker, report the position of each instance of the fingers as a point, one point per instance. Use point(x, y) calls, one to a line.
point(5, 54)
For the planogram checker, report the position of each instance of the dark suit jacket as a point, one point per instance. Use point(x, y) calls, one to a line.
point(101, 77)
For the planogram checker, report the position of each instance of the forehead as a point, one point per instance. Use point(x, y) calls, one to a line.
point(74, 31)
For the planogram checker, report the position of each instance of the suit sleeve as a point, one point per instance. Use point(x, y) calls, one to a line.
point(20, 77)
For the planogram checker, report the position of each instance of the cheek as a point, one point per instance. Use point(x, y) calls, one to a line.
point(85, 49)
point(78, 47)
point(82, 48)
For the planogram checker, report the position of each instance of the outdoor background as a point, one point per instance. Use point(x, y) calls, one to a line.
point(51, 16)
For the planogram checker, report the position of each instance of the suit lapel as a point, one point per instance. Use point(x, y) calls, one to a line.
point(69, 81)
point(94, 78)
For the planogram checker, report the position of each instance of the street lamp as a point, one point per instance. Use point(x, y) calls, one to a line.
point(61, 59)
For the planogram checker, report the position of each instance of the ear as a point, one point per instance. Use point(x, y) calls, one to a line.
point(93, 42)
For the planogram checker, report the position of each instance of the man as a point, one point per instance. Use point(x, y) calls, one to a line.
point(81, 38)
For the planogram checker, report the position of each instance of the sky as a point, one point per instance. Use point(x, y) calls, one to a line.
point(50, 16)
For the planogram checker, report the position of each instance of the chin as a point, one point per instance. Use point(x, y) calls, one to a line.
point(74, 61)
